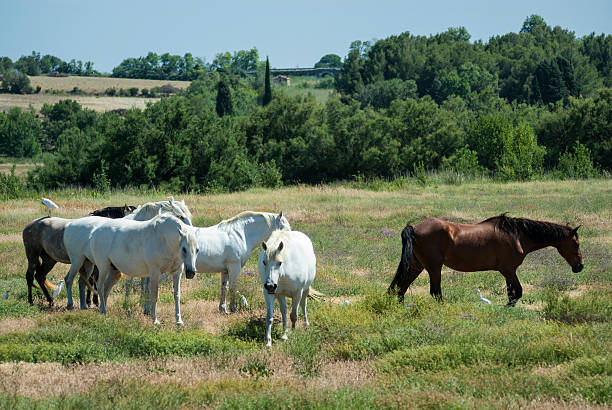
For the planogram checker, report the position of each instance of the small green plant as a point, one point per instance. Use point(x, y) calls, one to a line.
point(306, 347)
point(257, 366)
point(419, 173)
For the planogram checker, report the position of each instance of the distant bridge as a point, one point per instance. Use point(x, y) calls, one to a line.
point(315, 72)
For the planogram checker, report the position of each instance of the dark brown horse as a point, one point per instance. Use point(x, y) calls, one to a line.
point(498, 243)
point(43, 240)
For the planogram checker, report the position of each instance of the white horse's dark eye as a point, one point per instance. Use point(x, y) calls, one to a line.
point(184, 250)
point(279, 264)
point(264, 262)
point(197, 250)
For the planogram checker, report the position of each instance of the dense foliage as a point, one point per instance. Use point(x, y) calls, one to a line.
point(521, 104)
point(34, 64)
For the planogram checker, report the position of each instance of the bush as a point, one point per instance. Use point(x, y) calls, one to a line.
point(133, 91)
point(144, 92)
point(111, 92)
point(12, 186)
point(16, 83)
point(594, 306)
point(464, 161)
point(169, 89)
point(576, 164)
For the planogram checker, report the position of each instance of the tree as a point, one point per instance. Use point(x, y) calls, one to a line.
point(329, 60)
point(267, 97)
point(224, 98)
point(16, 83)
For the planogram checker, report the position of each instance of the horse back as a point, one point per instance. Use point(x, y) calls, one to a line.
point(46, 235)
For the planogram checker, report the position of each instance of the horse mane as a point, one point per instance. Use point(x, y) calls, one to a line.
point(539, 231)
point(245, 214)
point(150, 209)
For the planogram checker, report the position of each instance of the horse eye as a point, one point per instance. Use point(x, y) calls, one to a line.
point(197, 250)
point(264, 262)
point(279, 264)
point(184, 250)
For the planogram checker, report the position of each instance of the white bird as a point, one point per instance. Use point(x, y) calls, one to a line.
point(58, 289)
point(485, 300)
point(49, 204)
point(347, 302)
point(243, 301)
point(5, 296)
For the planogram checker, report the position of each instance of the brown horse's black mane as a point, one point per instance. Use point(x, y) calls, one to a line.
point(538, 231)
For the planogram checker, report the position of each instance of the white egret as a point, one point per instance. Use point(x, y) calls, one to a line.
point(58, 289)
point(49, 204)
point(485, 300)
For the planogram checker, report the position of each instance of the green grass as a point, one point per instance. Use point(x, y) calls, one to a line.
point(553, 349)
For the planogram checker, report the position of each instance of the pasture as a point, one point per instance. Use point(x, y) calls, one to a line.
point(90, 86)
point(551, 350)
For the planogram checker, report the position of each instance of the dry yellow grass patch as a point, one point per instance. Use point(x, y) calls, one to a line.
point(46, 379)
point(99, 104)
point(17, 325)
point(13, 237)
point(98, 84)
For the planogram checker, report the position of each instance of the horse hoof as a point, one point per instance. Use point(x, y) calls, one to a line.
point(223, 310)
point(180, 323)
point(156, 322)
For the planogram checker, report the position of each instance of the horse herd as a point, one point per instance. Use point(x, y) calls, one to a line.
point(159, 237)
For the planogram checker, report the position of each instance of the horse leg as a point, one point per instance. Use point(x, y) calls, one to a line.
point(435, 280)
point(234, 273)
point(85, 272)
point(269, 316)
point(282, 302)
point(176, 281)
point(41, 275)
point(93, 279)
point(224, 287)
point(295, 301)
point(303, 303)
point(69, 278)
point(513, 286)
point(32, 266)
point(146, 295)
point(104, 271)
point(153, 291)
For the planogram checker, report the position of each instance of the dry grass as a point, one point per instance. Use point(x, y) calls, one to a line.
point(100, 104)
point(98, 84)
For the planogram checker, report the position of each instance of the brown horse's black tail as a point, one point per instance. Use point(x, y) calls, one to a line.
point(401, 276)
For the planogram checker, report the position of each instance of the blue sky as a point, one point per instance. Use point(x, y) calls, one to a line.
point(291, 33)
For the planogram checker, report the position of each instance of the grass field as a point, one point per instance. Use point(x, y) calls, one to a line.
point(551, 351)
point(90, 85)
point(297, 88)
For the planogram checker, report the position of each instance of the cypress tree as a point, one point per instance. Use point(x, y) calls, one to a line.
point(224, 98)
point(267, 97)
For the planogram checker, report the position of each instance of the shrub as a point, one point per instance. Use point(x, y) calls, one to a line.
point(12, 186)
point(464, 161)
point(576, 164)
point(144, 92)
point(133, 91)
point(591, 307)
point(169, 89)
point(111, 92)
point(16, 83)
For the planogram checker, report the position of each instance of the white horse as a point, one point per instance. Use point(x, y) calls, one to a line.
point(287, 266)
point(77, 232)
point(143, 249)
point(225, 247)
point(148, 211)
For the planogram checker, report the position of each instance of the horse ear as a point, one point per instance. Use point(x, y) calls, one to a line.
point(280, 215)
point(280, 246)
point(574, 231)
point(264, 246)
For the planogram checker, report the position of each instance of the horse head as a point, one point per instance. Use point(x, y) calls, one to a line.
point(189, 250)
point(282, 224)
point(569, 248)
point(272, 261)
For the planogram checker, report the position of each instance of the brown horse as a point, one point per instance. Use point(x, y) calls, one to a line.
point(498, 243)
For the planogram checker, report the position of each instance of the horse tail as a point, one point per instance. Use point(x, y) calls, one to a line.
point(408, 238)
point(315, 295)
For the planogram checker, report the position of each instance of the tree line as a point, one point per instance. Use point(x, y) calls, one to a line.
point(226, 132)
